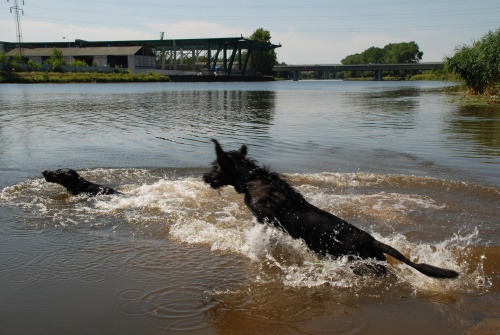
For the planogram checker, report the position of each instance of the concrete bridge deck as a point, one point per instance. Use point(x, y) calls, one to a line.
point(377, 68)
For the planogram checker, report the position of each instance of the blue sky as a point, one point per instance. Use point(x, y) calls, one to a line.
point(310, 32)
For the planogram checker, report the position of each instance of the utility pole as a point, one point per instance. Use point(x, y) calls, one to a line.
point(19, 33)
point(162, 51)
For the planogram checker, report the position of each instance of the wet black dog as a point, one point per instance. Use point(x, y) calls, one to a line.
point(272, 200)
point(74, 183)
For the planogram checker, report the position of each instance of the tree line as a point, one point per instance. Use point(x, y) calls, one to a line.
point(393, 53)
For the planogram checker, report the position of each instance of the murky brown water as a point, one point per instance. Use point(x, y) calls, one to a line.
point(172, 256)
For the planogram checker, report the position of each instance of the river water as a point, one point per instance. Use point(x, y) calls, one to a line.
point(172, 256)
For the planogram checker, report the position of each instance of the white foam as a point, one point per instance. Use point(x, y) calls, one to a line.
point(190, 212)
point(445, 254)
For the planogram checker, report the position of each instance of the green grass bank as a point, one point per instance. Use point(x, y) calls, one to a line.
point(78, 77)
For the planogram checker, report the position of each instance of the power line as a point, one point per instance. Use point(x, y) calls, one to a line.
point(19, 32)
point(196, 4)
point(295, 18)
point(132, 24)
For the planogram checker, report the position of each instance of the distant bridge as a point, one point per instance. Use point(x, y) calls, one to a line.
point(377, 68)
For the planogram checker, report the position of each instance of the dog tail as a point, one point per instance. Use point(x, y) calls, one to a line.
point(426, 269)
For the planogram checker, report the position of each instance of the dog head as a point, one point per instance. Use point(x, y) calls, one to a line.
point(66, 177)
point(230, 168)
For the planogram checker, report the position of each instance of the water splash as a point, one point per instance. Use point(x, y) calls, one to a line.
point(165, 204)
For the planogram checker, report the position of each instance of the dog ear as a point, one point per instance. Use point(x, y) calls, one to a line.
point(221, 154)
point(218, 149)
point(243, 150)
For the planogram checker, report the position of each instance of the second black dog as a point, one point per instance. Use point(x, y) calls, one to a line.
point(272, 200)
point(75, 183)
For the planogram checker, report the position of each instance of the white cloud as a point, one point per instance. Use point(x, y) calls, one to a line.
point(7, 31)
point(197, 29)
point(35, 31)
point(322, 50)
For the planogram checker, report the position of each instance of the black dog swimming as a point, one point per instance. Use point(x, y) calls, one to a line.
point(272, 200)
point(75, 183)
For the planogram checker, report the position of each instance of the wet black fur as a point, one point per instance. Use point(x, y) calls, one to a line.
point(272, 200)
point(75, 183)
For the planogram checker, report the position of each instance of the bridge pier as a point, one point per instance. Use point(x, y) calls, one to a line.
point(295, 75)
point(378, 75)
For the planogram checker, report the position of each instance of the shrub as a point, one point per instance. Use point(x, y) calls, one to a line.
point(33, 66)
point(479, 64)
point(56, 60)
point(79, 63)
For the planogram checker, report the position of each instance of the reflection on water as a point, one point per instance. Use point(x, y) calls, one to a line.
point(392, 100)
point(478, 129)
point(133, 127)
point(173, 256)
point(395, 109)
point(169, 125)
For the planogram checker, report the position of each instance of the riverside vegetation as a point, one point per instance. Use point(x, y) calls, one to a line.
point(78, 77)
point(15, 71)
point(479, 67)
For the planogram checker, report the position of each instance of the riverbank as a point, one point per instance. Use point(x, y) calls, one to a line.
point(469, 99)
point(78, 77)
point(465, 96)
point(428, 76)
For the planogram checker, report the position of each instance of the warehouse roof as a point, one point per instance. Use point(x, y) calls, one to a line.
point(189, 44)
point(90, 51)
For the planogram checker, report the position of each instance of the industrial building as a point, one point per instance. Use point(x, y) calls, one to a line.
point(229, 56)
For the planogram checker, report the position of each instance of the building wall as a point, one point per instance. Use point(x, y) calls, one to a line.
point(101, 61)
point(131, 63)
point(145, 62)
point(36, 59)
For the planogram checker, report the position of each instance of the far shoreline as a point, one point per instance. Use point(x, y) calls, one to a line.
point(464, 96)
point(78, 77)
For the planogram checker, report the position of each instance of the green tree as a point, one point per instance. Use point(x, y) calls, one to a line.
point(33, 66)
point(479, 64)
point(79, 63)
point(374, 55)
point(393, 53)
point(354, 59)
point(11, 64)
point(3, 57)
point(406, 52)
point(261, 35)
point(402, 53)
point(268, 58)
point(56, 60)
point(16, 63)
point(5, 61)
